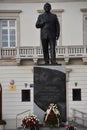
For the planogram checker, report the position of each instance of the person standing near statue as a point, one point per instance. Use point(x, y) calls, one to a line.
point(50, 31)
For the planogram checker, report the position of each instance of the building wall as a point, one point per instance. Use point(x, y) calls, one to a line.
point(12, 100)
point(77, 75)
point(72, 21)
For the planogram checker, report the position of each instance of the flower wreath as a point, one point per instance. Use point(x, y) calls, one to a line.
point(52, 115)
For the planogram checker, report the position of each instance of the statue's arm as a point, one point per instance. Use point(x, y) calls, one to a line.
point(40, 22)
point(57, 28)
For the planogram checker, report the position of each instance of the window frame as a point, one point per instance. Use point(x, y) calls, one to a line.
point(84, 12)
point(10, 15)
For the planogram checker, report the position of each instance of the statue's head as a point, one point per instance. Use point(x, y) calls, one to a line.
point(47, 7)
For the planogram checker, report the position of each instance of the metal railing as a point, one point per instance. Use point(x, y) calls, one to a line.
point(80, 116)
point(21, 115)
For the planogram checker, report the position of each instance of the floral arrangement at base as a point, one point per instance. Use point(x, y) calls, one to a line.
point(52, 116)
point(30, 122)
point(70, 127)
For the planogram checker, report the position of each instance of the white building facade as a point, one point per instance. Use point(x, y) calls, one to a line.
point(20, 51)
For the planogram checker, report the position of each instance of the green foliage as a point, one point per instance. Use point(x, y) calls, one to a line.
point(2, 122)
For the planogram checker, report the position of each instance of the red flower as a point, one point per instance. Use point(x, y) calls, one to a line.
point(30, 121)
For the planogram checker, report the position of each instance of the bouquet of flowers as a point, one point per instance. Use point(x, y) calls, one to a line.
point(30, 122)
point(52, 116)
point(70, 127)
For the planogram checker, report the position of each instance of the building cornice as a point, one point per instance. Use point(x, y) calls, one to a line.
point(53, 10)
point(39, 1)
point(83, 10)
point(10, 11)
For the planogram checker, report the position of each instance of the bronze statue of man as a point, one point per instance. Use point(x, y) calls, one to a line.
point(50, 30)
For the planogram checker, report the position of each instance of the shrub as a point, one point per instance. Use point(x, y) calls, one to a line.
point(2, 122)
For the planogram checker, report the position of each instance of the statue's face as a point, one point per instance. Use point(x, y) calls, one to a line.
point(47, 7)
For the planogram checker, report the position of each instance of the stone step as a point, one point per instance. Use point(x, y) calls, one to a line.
point(79, 127)
point(46, 128)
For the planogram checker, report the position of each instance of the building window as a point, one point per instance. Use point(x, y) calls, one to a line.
point(25, 95)
point(58, 12)
point(76, 94)
point(84, 11)
point(8, 32)
point(9, 28)
point(85, 30)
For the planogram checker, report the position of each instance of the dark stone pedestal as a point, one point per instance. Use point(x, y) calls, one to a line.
point(49, 87)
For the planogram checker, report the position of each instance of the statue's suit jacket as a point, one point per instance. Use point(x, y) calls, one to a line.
point(49, 25)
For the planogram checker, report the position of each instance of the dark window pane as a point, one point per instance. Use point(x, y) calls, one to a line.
point(4, 44)
point(4, 23)
point(12, 31)
point(4, 38)
point(12, 44)
point(12, 23)
point(76, 94)
point(4, 31)
point(25, 95)
point(12, 38)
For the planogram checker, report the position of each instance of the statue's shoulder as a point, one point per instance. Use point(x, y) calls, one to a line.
point(42, 14)
point(54, 14)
